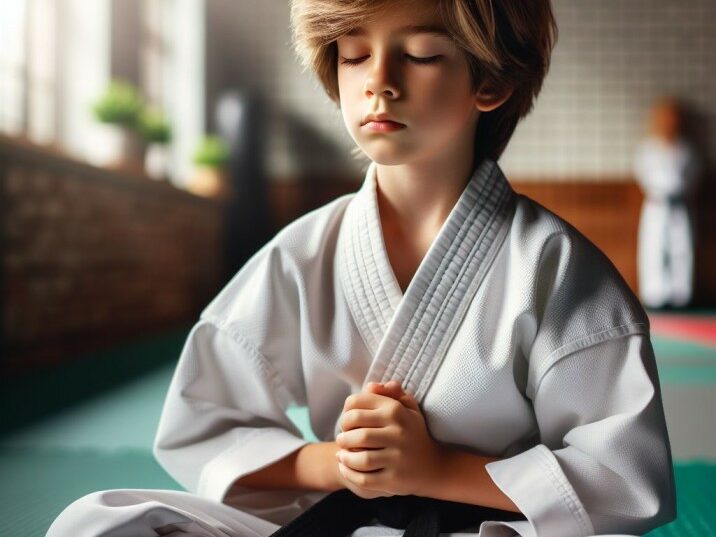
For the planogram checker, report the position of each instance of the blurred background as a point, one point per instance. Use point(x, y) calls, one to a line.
point(149, 147)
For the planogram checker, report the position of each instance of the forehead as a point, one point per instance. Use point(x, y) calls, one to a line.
point(404, 18)
point(408, 29)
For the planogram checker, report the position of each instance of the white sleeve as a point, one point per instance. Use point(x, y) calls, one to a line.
point(647, 173)
point(224, 415)
point(604, 462)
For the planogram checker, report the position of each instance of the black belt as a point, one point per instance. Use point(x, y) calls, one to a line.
point(342, 512)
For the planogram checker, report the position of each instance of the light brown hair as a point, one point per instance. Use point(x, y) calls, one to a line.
point(508, 44)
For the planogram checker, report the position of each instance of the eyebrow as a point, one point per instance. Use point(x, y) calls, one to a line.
point(410, 29)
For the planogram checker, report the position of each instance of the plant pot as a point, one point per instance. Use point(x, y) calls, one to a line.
point(208, 182)
point(156, 161)
point(131, 148)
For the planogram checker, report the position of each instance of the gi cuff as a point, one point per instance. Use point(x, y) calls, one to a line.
point(255, 451)
point(536, 484)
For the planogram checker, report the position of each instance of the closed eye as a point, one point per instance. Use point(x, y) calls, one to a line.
point(429, 59)
point(349, 61)
point(414, 59)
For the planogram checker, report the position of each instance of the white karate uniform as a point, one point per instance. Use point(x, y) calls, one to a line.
point(667, 175)
point(516, 335)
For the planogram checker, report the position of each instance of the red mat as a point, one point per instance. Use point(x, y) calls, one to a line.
point(696, 328)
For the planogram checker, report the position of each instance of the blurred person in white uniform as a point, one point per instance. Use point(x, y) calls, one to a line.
point(666, 168)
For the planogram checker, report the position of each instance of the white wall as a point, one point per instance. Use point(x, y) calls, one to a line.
point(612, 58)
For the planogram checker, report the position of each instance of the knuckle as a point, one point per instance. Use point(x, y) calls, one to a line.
point(394, 410)
point(399, 433)
point(346, 420)
point(363, 436)
point(349, 419)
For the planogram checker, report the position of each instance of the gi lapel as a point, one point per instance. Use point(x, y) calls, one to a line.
point(409, 335)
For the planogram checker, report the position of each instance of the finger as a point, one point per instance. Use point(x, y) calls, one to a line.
point(394, 385)
point(365, 460)
point(360, 492)
point(364, 400)
point(393, 390)
point(410, 402)
point(372, 387)
point(365, 480)
point(361, 417)
point(390, 386)
point(390, 389)
point(393, 394)
point(365, 438)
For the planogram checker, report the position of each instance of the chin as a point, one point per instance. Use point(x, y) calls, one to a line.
point(387, 155)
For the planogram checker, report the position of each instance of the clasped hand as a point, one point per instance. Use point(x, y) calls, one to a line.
point(385, 446)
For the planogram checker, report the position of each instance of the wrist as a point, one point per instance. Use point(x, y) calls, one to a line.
point(438, 471)
point(316, 466)
point(332, 476)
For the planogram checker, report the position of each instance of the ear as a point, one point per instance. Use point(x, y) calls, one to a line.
point(487, 100)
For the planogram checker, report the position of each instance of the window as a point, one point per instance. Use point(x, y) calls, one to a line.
point(53, 63)
point(12, 66)
point(172, 72)
point(27, 69)
point(56, 59)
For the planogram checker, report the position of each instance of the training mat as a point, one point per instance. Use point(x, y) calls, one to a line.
point(37, 484)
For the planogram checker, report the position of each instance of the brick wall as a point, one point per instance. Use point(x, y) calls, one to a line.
point(92, 257)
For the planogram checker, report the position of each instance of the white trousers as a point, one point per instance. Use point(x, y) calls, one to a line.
point(665, 254)
point(171, 513)
point(149, 513)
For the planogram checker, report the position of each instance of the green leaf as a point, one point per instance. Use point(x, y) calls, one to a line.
point(154, 127)
point(120, 104)
point(212, 152)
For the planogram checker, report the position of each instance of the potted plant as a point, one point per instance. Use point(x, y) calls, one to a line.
point(157, 133)
point(210, 159)
point(120, 105)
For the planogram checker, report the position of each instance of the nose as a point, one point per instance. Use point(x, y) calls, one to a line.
point(381, 78)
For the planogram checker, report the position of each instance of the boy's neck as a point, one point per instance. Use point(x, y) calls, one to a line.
point(419, 196)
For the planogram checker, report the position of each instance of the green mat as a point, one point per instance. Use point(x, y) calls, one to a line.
point(38, 484)
point(93, 427)
point(684, 362)
point(57, 387)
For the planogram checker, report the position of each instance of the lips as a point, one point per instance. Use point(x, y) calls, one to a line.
point(383, 126)
point(381, 118)
point(381, 123)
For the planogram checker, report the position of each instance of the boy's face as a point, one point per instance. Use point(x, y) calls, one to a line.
point(434, 101)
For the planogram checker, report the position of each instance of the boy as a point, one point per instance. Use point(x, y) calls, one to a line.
point(469, 345)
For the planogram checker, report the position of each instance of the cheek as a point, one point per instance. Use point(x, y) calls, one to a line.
point(349, 93)
point(350, 80)
point(442, 102)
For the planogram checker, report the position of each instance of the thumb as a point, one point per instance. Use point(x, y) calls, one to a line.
point(410, 402)
point(389, 389)
point(394, 390)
